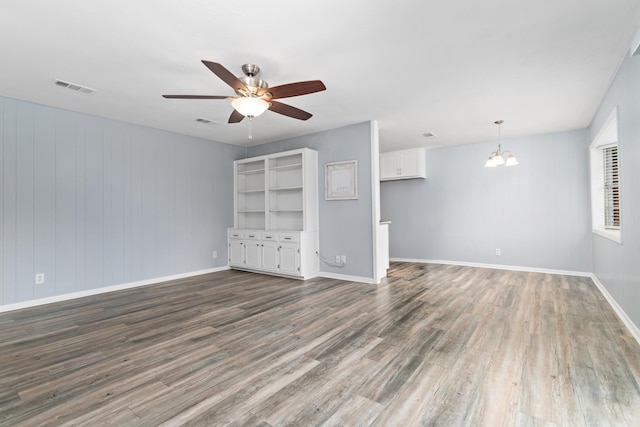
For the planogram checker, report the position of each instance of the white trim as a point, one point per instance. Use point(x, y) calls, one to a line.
point(378, 271)
point(496, 266)
point(632, 327)
point(635, 46)
point(97, 291)
point(614, 235)
point(607, 136)
point(347, 278)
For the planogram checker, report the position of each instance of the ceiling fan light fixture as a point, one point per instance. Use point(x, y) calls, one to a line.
point(250, 106)
point(253, 95)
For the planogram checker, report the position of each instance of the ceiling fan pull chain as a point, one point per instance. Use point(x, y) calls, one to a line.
point(250, 121)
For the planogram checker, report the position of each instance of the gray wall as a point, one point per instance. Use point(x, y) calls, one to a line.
point(617, 266)
point(345, 225)
point(537, 213)
point(93, 202)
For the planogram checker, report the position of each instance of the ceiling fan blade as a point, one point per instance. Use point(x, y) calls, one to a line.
point(225, 75)
point(288, 110)
point(296, 89)
point(235, 117)
point(195, 96)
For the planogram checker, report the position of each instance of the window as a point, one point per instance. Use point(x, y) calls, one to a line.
point(605, 180)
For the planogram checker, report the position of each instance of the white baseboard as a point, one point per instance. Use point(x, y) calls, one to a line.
point(89, 292)
point(496, 266)
point(633, 328)
point(347, 278)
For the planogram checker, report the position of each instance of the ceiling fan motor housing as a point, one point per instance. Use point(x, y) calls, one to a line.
point(255, 84)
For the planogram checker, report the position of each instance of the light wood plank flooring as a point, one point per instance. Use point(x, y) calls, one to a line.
point(433, 345)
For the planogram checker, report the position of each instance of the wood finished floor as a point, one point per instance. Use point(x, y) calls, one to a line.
point(433, 345)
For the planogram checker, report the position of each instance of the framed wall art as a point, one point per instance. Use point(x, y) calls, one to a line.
point(341, 180)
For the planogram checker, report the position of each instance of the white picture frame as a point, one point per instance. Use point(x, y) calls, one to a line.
point(341, 180)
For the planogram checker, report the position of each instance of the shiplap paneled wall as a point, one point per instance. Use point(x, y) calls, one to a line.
point(616, 265)
point(537, 213)
point(92, 202)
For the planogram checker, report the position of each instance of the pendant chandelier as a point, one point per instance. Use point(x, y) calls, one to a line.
point(497, 157)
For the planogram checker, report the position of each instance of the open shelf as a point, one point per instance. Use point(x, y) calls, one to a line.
point(276, 188)
point(251, 172)
point(286, 189)
point(285, 167)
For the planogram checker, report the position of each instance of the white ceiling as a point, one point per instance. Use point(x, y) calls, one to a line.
point(441, 66)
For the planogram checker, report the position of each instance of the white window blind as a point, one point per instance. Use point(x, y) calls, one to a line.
point(611, 187)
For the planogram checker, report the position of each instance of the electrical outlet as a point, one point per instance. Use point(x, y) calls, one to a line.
point(343, 259)
point(338, 259)
point(498, 252)
point(39, 278)
point(215, 254)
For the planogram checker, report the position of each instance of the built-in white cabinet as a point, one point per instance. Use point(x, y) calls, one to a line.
point(403, 164)
point(290, 253)
point(276, 214)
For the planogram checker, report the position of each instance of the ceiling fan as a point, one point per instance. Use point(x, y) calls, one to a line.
point(254, 96)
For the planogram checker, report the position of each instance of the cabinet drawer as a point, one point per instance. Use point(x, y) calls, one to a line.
point(252, 236)
point(269, 237)
point(289, 237)
point(235, 235)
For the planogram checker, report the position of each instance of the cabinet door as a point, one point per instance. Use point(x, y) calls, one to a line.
point(389, 167)
point(270, 256)
point(403, 164)
point(290, 258)
point(411, 163)
point(236, 252)
point(253, 254)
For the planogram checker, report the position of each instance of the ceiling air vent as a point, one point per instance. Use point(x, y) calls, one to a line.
point(206, 121)
point(74, 86)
